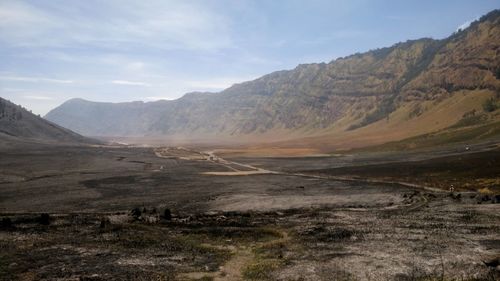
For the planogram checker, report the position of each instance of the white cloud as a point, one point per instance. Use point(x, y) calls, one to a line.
point(35, 79)
point(159, 24)
point(38, 101)
point(12, 90)
point(130, 83)
point(20, 15)
point(38, 98)
point(135, 66)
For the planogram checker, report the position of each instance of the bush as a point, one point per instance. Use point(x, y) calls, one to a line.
point(167, 214)
point(6, 223)
point(104, 222)
point(136, 213)
point(44, 219)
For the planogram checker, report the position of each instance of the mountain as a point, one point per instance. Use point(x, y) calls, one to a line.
point(408, 89)
point(19, 125)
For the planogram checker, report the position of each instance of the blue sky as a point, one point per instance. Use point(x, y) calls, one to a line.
point(116, 51)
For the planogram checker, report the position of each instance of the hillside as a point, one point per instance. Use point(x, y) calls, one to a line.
point(389, 94)
point(19, 125)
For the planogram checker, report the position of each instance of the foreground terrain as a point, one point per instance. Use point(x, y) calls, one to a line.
point(99, 213)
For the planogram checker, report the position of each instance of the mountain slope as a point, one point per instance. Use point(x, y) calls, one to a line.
point(18, 124)
point(402, 91)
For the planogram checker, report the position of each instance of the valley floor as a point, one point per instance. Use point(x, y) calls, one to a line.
point(309, 218)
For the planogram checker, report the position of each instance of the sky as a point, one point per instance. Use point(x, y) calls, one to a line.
point(118, 51)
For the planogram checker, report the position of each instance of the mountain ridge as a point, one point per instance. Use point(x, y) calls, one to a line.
point(348, 94)
point(17, 124)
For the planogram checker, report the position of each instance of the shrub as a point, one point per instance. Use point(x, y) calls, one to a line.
point(6, 223)
point(44, 219)
point(104, 222)
point(167, 214)
point(136, 213)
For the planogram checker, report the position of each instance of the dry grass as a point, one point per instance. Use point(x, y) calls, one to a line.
point(485, 190)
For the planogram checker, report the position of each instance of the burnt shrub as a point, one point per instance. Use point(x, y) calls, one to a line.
point(44, 219)
point(104, 223)
point(6, 223)
point(136, 213)
point(331, 234)
point(338, 234)
point(167, 215)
